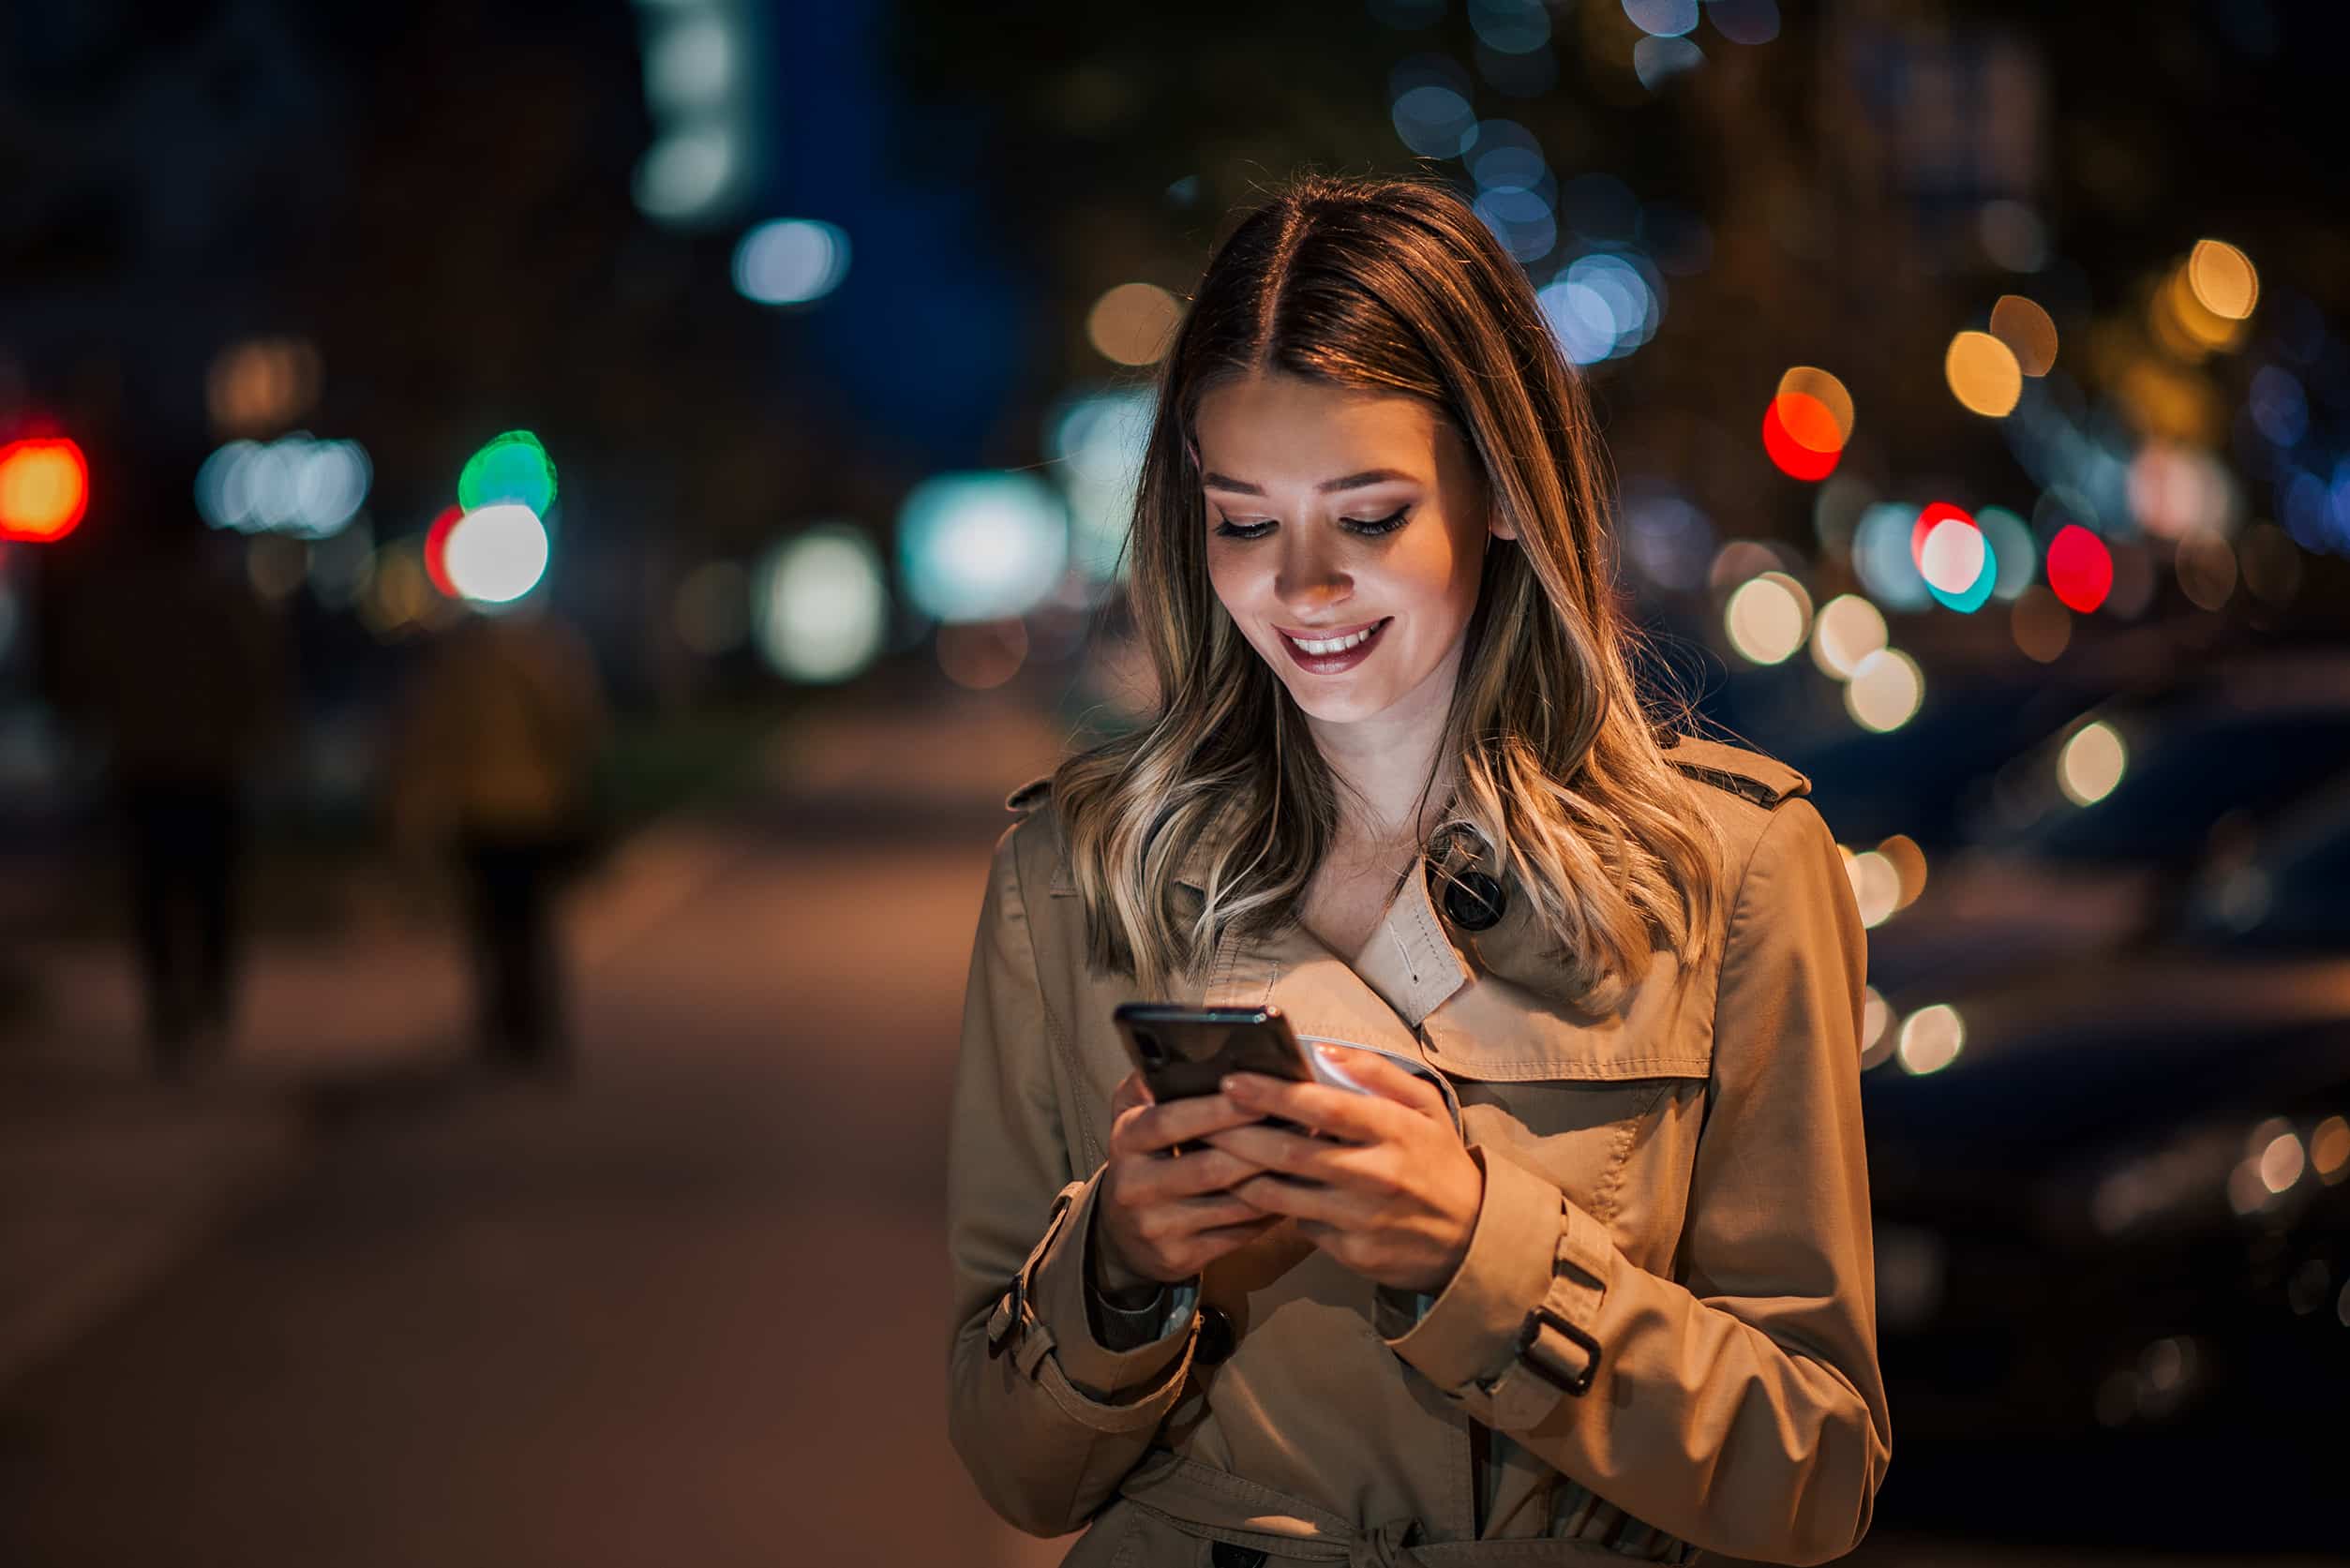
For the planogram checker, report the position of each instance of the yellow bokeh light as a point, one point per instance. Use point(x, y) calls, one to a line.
point(2091, 764)
point(2281, 1162)
point(1133, 322)
point(1809, 380)
point(1983, 374)
point(2206, 564)
point(2224, 279)
point(1877, 1041)
point(1885, 690)
point(1767, 618)
point(1902, 853)
point(2029, 332)
point(2329, 1150)
point(2183, 324)
point(1931, 1038)
point(1848, 630)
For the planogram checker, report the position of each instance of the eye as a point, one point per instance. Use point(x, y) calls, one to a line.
point(1367, 528)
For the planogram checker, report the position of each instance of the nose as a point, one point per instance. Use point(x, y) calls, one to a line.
point(1309, 579)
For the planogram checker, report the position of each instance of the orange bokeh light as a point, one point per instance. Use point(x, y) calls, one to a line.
point(44, 490)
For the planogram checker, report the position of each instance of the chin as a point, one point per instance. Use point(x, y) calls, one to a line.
point(1317, 700)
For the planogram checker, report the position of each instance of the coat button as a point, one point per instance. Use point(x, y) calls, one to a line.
point(1215, 1337)
point(1474, 901)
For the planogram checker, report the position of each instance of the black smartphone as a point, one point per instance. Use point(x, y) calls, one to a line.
point(1184, 1051)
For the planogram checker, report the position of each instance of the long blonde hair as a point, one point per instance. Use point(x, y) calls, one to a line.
point(1391, 286)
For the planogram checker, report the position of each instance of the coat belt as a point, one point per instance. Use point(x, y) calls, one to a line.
point(1202, 1501)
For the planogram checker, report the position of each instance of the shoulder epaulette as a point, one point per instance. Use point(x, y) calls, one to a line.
point(1029, 796)
point(1750, 775)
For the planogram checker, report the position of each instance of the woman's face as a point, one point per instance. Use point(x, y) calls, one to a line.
point(1346, 538)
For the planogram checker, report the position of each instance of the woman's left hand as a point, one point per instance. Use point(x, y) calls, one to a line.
point(1388, 1190)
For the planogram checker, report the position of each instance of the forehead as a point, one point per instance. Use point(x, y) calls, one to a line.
point(1279, 430)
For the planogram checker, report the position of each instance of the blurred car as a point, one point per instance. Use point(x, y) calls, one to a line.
point(2113, 1251)
point(2094, 839)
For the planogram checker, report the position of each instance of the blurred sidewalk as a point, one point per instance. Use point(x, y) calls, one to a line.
point(108, 1177)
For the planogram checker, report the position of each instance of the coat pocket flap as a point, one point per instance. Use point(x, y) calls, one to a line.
point(1501, 1032)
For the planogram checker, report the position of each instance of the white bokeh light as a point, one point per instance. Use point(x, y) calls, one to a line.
point(496, 555)
point(819, 607)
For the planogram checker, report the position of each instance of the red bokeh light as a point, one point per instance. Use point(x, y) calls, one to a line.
point(2080, 569)
point(44, 490)
point(1936, 512)
point(1801, 436)
point(437, 550)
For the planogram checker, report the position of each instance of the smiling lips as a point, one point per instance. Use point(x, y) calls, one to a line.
point(1331, 652)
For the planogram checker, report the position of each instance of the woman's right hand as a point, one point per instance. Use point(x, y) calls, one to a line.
point(1162, 1217)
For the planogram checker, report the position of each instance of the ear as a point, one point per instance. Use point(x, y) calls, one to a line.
point(1499, 526)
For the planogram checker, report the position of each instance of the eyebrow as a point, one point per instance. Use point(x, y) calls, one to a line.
point(1352, 482)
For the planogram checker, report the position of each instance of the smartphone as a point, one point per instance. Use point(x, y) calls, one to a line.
point(1184, 1051)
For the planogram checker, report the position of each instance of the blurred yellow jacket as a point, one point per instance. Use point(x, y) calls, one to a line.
point(1662, 1338)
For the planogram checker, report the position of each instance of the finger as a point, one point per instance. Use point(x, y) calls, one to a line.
point(1209, 1245)
point(1269, 1193)
point(1131, 1092)
point(1159, 1181)
point(1262, 1147)
point(1181, 1121)
point(1359, 1118)
point(1388, 1079)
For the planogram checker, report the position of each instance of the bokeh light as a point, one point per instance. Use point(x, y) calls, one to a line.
point(1876, 886)
point(434, 556)
point(1902, 853)
point(2041, 625)
point(2011, 548)
point(2091, 762)
point(308, 488)
point(1957, 565)
point(981, 546)
point(261, 384)
point(1133, 324)
point(44, 489)
point(1885, 692)
point(1657, 60)
point(511, 468)
point(1931, 1038)
point(496, 555)
point(1663, 19)
point(2080, 569)
point(1768, 617)
point(819, 606)
point(2029, 332)
point(1848, 630)
point(2224, 279)
point(2206, 564)
point(1983, 374)
point(2175, 490)
point(982, 655)
point(791, 261)
point(1807, 423)
point(1885, 559)
point(1098, 440)
point(1602, 306)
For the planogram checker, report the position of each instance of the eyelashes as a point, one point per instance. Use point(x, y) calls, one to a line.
point(1227, 529)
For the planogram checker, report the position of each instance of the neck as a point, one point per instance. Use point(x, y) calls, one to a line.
point(1393, 777)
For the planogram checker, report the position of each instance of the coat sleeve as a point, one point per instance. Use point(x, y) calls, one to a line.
point(1045, 1416)
point(1741, 1411)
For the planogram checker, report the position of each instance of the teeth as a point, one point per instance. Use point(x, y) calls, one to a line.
point(1335, 644)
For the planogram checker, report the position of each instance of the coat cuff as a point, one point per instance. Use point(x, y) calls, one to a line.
point(1469, 1337)
point(1060, 1293)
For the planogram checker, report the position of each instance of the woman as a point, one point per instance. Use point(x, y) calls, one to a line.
point(1591, 1261)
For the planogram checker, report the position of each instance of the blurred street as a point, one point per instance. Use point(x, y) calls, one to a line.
point(503, 1323)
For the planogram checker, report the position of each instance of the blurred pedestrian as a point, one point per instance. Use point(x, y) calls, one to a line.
point(1581, 1249)
point(493, 767)
point(184, 677)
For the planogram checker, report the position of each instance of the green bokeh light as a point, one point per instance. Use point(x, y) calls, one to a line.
point(512, 468)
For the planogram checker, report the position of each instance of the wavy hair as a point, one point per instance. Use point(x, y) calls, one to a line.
point(1391, 286)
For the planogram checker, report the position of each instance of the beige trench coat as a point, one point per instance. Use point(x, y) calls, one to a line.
point(1662, 1340)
